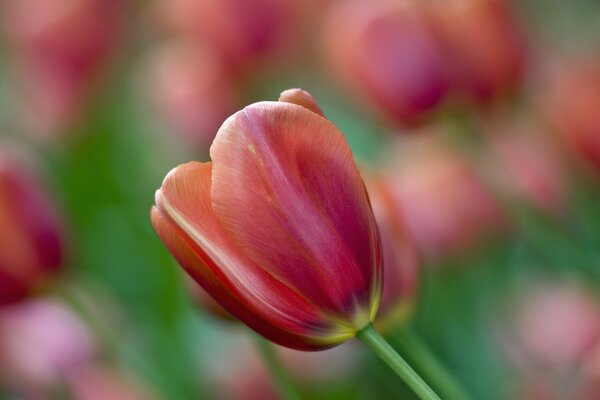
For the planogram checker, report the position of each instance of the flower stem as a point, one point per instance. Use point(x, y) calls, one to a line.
point(411, 346)
point(282, 380)
point(377, 343)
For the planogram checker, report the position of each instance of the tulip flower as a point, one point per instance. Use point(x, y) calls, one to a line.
point(41, 342)
point(399, 254)
point(552, 337)
point(189, 89)
point(569, 98)
point(447, 207)
point(527, 165)
point(242, 32)
point(30, 237)
point(265, 234)
point(485, 45)
point(57, 49)
point(278, 229)
point(387, 53)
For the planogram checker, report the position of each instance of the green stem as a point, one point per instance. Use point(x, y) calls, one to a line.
point(278, 372)
point(377, 343)
point(413, 348)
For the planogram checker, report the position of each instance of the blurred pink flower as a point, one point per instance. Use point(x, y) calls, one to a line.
point(389, 55)
point(447, 207)
point(243, 32)
point(400, 258)
point(189, 88)
point(485, 44)
point(552, 338)
point(94, 382)
point(56, 48)
point(569, 98)
point(527, 164)
point(31, 242)
point(41, 341)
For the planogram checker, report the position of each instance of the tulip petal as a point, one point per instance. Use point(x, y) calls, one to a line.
point(286, 190)
point(301, 98)
point(185, 221)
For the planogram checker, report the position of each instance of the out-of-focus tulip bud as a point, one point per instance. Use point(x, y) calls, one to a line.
point(446, 206)
point(569, 97)
point(189, 89)
point(556, 325)
point(389, 55)
point(527, 164)
point(30, 237)
point(290, 251)
point(242, 31)
point(551, 340)
point(486, 47)
point(93, 382)
point(41, 341)
point(57, 47)
point(401, 262)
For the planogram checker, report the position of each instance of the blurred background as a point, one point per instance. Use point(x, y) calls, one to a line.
point(476, 124)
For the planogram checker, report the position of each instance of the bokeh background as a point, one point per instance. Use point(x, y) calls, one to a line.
point(479, 121)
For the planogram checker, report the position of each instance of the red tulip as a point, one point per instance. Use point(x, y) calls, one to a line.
point(278, 228)
point(30, 238)
point(569, 97)
point(485, 45)
point(388, 53)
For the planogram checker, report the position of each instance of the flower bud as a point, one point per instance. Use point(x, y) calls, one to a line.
point(387, 53)
point(30, 238)
point(41, 341)
point(447, 207)
point(243, 32)
point(485, 45)
point(527, 165)
point(291, 251)
point(569, 98)
point(189, 89)
point(56, 48)
point(401, 261)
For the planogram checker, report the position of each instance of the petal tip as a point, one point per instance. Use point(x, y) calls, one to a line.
point(302, 98)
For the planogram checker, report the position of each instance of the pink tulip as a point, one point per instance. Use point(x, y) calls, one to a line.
point(41, 341)
point(527, 164)
point(94, 382)
point(189, 88)
point(56, 49)
point(569, 98)
point(31, 245)
point(446, 205)
point(388, 53)
point(278, 228)
point(486, 46)
point(242, 32)
point(401, 261)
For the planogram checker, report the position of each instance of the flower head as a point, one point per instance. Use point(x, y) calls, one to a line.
point(278, 228)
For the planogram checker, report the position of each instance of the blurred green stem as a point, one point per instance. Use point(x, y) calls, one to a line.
point(377, 343)
point(415, 350)
point(282, 380)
